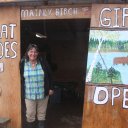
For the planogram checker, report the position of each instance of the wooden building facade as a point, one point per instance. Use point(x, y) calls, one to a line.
point(105, 104)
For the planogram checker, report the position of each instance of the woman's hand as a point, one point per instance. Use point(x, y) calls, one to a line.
point(51, 92)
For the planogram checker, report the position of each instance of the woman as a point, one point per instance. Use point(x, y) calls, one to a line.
point(36, 84)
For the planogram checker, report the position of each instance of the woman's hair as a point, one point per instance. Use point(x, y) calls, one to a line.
point(31, 46)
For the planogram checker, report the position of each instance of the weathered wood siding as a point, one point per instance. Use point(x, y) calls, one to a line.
point(105, 105)
point(10, 103)
point(105, 115)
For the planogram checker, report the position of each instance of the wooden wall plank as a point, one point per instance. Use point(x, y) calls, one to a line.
point(10, 103)
point(104, 115)
point(111, 113)
point(109, 16)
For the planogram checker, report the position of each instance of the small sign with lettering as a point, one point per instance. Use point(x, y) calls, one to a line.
point(42, 12)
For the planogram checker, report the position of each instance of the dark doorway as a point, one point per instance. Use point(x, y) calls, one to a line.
point(65, 45)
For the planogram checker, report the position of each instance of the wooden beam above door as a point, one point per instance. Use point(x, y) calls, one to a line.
point(56, 12)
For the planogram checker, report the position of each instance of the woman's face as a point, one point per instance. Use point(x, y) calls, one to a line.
point(32, 54)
